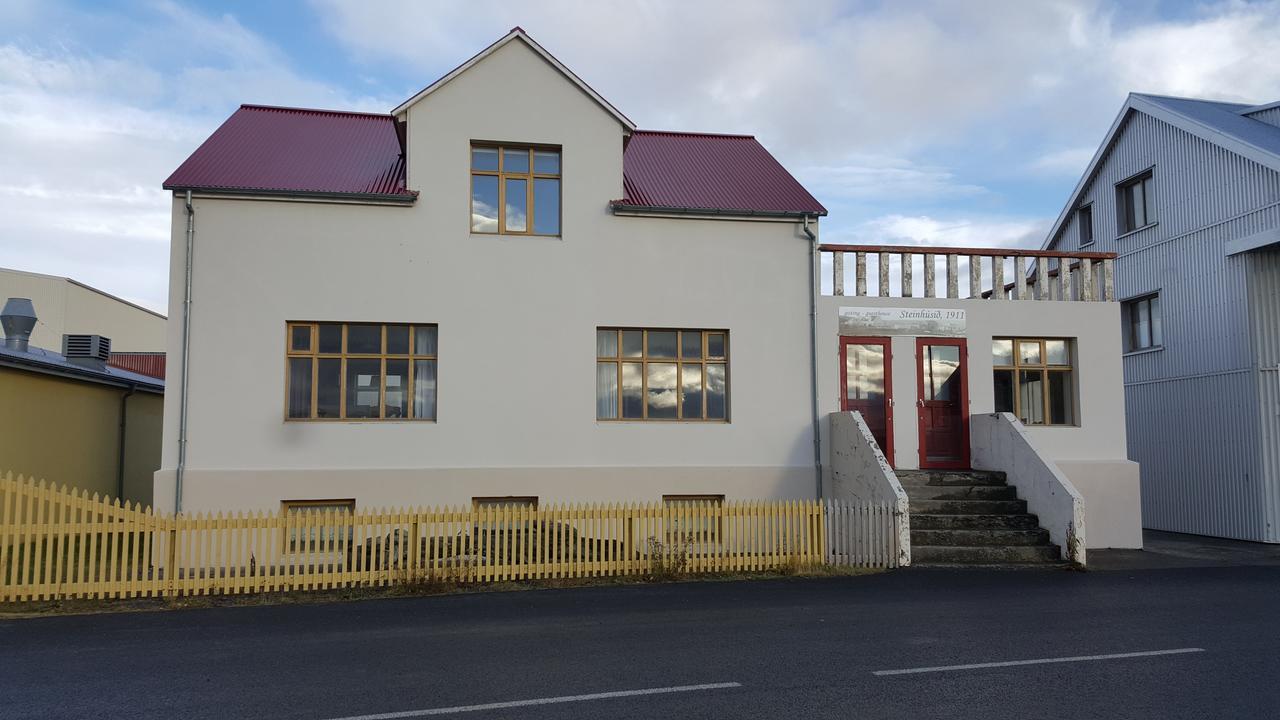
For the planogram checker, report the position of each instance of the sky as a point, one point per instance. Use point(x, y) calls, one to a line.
point(914, 122)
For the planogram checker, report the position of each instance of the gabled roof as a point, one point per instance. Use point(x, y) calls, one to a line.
point(715, 174)
point(1227, 125)
point(295, 151)
point(518, 33)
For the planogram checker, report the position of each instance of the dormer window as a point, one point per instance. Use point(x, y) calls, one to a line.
point(515, 190)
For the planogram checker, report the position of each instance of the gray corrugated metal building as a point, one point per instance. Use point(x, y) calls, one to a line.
point(1187, 193)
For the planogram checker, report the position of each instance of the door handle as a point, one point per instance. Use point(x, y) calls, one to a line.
point(919, 403)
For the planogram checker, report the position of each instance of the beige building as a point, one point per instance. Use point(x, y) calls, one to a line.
point(68, 307)
point(470, 302)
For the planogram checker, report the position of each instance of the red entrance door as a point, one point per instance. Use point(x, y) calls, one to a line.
point(943, 403)
point(866, 382)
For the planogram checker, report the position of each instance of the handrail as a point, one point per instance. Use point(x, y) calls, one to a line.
point(984, 252)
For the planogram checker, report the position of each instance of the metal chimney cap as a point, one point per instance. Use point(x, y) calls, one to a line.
point(18, 307)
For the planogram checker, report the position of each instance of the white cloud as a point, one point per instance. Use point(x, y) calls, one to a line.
point(876, 178)
point(87, 139)
point(1068, 161)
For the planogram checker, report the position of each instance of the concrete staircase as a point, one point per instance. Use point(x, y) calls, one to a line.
point(969, 517)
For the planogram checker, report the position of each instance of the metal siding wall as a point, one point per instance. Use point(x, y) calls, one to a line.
point(1264, 303)
point(1270, 117)
point(1193, 407)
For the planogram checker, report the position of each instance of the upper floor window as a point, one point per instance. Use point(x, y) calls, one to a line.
point(661, 374)
point(1142, 325)
point(515, 190)
point(361, 371)
point(1033, 379)
point(1135, 202)
point(1084, 218)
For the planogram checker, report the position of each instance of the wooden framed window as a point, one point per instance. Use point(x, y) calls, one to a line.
point(661, 374)
point(318, 540)
point(1035, 380)
point(1135, 202)
point(360, 371)
point(519, 501)
point(515, 189)
point(692, 525)
point(1144, 329)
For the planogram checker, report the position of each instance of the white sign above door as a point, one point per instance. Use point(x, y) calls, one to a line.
point(928, 322)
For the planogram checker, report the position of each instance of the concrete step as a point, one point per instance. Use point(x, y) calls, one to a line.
point(961, 492)
point(978, 538)
point(950, 477)
point(984, 555)
point(968, 507)
point(926, 521)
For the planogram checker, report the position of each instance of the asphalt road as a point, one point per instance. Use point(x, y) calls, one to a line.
point(768, 649)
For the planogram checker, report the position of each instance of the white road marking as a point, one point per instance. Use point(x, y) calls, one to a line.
point(542, 701)
point(1041, 661)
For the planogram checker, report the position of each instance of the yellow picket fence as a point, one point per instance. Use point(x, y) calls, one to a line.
point(56, 543)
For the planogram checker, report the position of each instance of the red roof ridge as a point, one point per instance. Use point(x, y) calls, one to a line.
point(317, 111)
point(688, 133)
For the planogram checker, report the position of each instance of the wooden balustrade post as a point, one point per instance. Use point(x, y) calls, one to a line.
point(953, 277)
point(997, 278)
point(1064, 279)
point(1108, 281)
point(884, 273)
point(1042, 279)
point(1086, 280)
point(1020, 277)
point(907, 259)
point(860, 274)
point(837, 273)
point(930, 285)
point(975, 276)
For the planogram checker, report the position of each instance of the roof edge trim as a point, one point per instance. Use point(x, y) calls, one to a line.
point(533, 45)
point(632, 208)
point(385, 198)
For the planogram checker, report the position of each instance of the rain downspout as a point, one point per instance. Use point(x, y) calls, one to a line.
point(186, 347)
point(124, 427)
point(813, 353)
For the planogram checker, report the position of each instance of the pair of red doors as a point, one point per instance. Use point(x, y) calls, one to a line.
point(942, 392)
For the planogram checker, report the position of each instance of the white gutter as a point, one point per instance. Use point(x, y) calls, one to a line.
point(186, 347)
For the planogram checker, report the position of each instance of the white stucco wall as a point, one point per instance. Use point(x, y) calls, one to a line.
point(517, 318)
point(1092, 454)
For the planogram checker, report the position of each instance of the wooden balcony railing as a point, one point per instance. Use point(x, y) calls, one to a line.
point(1031, 274)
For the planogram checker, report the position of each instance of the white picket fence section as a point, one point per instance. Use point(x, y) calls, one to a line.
point(865, 534)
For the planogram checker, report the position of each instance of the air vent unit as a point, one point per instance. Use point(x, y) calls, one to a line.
point(86, 347)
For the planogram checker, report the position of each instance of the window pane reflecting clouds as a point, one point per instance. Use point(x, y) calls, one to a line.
point(546, 162)
point(632, 390)
point(691, 391)
point(484, 204)
point(716, 404)
point(484, 158)
point(662, 343)
point(517, 205)
point(662, 390)
point(632, 343)
point(515, 161)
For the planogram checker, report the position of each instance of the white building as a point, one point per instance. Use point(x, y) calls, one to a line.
point(68, 307)
point(504, 289)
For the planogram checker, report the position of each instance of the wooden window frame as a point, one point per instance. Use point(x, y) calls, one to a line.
point(313, 352)
point(711, 500)
point(290, 544)
point(703, 360)
point(529, 177)
point(1045, 367)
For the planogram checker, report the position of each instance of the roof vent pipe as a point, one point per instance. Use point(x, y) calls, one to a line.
point(18, 319)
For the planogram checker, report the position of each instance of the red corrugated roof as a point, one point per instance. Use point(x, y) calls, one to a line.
point(717, 173)
point(298, 151)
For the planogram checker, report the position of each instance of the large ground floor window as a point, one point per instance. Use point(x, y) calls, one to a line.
point(644, 374)
point(1035, 380)
point(360, 371)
